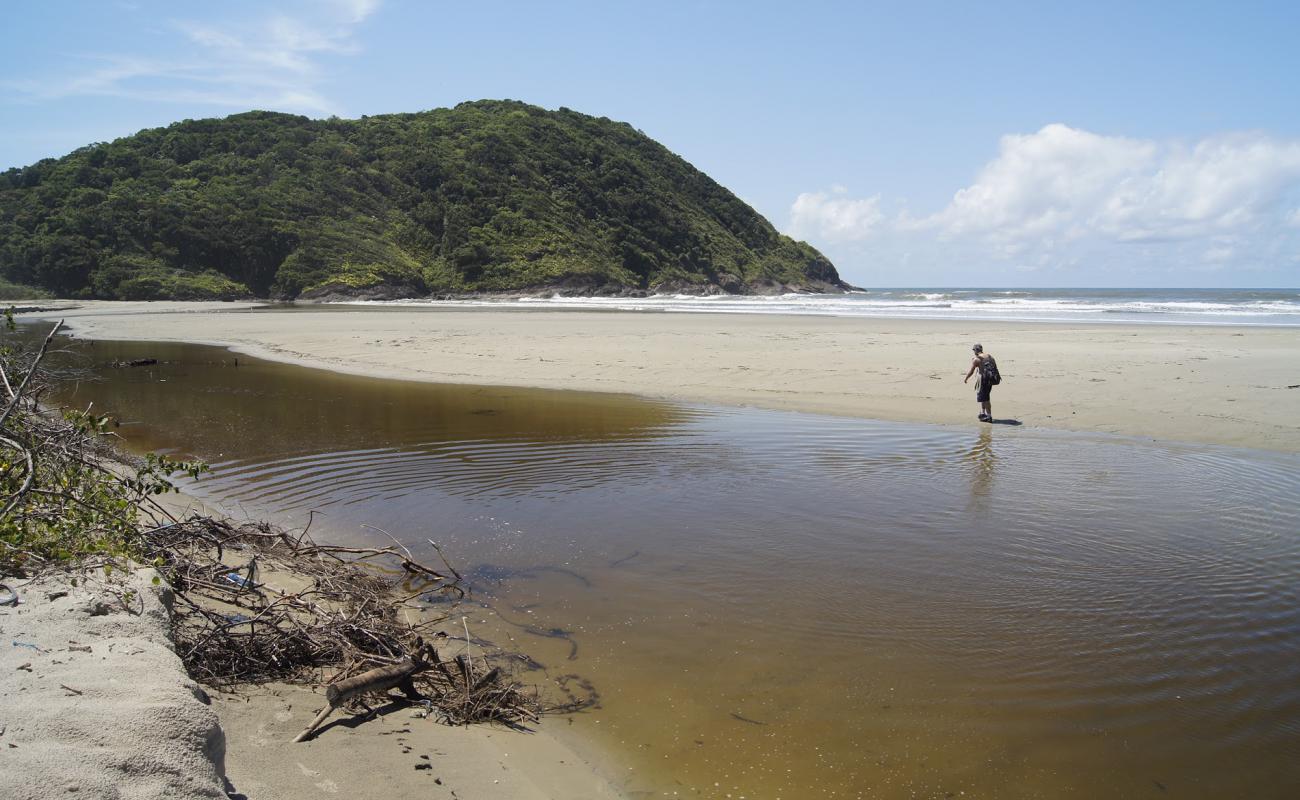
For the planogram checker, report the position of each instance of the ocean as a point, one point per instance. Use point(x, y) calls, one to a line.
point(1273, 307)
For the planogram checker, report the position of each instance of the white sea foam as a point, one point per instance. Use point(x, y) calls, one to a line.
point(1201, 306)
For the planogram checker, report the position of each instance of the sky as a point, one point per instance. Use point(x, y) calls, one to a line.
point(914, 143)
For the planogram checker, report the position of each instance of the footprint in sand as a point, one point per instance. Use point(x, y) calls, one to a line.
point(328, 786)
point(261, 738)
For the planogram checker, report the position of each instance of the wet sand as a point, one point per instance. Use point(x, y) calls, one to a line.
point(395, 754)
point(1237, 386)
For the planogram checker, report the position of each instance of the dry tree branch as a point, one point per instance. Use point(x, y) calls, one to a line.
point(231, 630)
point(18, 393)
point(16, 497)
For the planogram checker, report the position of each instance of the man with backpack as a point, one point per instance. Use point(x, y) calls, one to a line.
point(988, 378)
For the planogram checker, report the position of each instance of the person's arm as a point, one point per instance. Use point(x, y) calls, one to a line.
point(974, 364)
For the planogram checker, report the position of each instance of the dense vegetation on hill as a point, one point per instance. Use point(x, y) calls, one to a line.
point(487, 196)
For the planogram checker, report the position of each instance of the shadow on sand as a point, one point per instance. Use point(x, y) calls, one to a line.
point(1013, 422)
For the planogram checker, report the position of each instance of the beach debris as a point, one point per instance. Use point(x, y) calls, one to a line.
point(361, 611)
point(462, 699)
point(379, 679)
point(70, 690)
point(240, 580)
point(30, 646)
point(8, 595)
point(96, 608)
point(618, 562)
point(135, 362)
point(741, 718)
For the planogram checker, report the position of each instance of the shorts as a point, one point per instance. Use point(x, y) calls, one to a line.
point(982, 392)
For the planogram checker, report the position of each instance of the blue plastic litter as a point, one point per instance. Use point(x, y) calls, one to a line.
point(240, 580)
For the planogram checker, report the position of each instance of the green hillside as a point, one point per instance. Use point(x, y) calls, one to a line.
point(488, 196)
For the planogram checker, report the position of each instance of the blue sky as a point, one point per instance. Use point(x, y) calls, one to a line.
point(1037, 144)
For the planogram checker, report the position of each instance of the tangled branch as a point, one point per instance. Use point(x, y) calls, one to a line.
point(255, 603)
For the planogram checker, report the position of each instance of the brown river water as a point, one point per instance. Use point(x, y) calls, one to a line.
point(776, 605)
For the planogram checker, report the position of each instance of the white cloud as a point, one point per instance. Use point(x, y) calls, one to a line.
point(355, 11)
point(1065, 184)
point(271, 63)
point(1051, 197)
point(1044, 183)
point(833, 216)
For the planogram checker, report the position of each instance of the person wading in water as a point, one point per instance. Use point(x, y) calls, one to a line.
point(982, 385)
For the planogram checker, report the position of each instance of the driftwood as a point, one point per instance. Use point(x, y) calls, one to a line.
point(379, 679)
point(472, 693)
point(371, 614)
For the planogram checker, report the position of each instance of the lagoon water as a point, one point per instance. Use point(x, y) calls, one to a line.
point(776, 605)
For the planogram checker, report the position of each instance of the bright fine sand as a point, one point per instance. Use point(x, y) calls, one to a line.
point(1235, 386)
point(95, 703)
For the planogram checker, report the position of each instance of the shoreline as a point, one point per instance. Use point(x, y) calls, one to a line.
point(83, 664)
point(402, 756)
point(1222, 385)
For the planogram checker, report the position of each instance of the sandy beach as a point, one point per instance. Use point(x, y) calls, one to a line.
point(1237, 386)
point(86, 666)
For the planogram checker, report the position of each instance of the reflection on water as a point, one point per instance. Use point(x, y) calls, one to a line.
point(781, 605)
point(982, 458)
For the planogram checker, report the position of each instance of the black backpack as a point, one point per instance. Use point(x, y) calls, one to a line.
point(989, 371)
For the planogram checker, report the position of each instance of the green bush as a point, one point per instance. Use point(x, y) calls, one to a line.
point(15, 291)
point(61, 503)
point(135, 277)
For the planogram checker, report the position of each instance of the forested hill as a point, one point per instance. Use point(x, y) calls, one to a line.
point(488, 196)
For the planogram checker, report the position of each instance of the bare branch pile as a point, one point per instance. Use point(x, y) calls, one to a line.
point(255, 603)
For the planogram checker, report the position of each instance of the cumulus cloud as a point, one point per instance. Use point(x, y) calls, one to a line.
point(1049, 195)
point(273, 62)
point(1068, 183)
point(833, 216)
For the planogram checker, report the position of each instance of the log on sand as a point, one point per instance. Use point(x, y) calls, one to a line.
point(379, 679)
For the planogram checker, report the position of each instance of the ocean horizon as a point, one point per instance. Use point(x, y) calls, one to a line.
point(1266, 307)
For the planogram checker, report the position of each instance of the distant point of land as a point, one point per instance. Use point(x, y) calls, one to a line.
point(487, 197)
